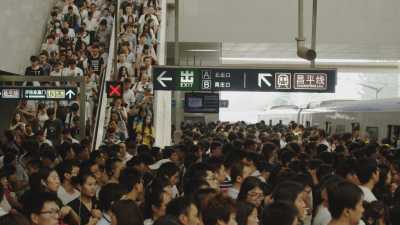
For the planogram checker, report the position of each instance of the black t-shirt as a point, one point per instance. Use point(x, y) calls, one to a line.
point(53, 128)
point(95, 64)
point(29, 71)
point(83, 212)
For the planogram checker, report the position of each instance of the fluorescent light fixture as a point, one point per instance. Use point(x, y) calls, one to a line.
point(200, 50)
point(320, 61)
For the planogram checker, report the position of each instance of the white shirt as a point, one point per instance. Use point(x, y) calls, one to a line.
point(148, 221)
point(323, 217)
point(129, 98)
point(73, 72)
point(105, 220)
point(233, 193)
point(65, 196)
point(368, 195)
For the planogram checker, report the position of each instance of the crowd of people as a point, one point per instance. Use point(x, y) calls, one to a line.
point(215, 174)
point(131, 117)
point(76, 45)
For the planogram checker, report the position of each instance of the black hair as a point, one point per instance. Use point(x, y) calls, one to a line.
point(287, 191)
point(37, 201)
point(219, 207)
point(109, 194)
point(248, 184)
point(110, 165)
point(129, 177)
point(168, 170)
point(194, 178)
point(365, 169)
point(178, 206)
point(154, 193)
point(236, 171)
point(281, 213)
point(14, 219)
point(344, 195)
point(243, 211)
point(127, 212)
point(65, 167)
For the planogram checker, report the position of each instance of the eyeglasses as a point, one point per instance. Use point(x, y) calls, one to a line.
point(51, 212)
point(255, 194)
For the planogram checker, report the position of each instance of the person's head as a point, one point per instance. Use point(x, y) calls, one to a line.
point(346, 202)
point(109, 194)
point(126, 212)
point(158, 195)
point(221, 210)
point(170, 171)
point(346, 169)
point(216, 165)
point(114, 167)
point(184, 211)
point(132, 180)
point(251, 191)
point(281, 213)
point(239, 172)
point(42, 209)
point(49, 179)
point(87, 183)
point(216, 149)
point(197, 176)
point(67, 170)
point(246, 214)
point(291, 192)
point(367, 171)
point(34, 60)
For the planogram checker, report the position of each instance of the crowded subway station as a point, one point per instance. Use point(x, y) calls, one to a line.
point(187, 112)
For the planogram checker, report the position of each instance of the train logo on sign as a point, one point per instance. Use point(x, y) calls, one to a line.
point(283, 80)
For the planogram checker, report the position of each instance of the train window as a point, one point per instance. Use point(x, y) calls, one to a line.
point(328, 127)
point(355, 126)
point(308, 123)
point(340, 129)
point(373, 132)
point(394, 132)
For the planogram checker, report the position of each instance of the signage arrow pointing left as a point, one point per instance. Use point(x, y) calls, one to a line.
point(70, 94)
point(161, 79)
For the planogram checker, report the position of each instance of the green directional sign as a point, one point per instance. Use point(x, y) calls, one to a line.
point(187, 79)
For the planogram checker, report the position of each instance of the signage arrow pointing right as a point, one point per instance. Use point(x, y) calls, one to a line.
point(161, 79)
point(70, 94)
point(262, 77)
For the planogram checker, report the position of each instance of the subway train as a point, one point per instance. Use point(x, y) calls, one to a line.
point(377, 118)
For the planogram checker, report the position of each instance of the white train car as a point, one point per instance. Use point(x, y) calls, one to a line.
point(377, 118)
point(282, 114)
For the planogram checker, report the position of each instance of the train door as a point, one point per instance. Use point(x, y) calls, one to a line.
point(394, 132)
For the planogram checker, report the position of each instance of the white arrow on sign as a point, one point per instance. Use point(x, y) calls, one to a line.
point(161, 79)
point(70, 94)
point(262, 77)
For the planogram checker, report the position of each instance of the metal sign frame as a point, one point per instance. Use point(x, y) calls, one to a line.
point(79, 80)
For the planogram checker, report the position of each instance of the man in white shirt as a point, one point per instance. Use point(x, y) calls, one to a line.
point(67, 192)
point(239, 172)
point(129, 95)
point(368, 174)
point(72, 69)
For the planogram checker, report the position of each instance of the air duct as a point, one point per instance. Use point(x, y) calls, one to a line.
point(302, 51)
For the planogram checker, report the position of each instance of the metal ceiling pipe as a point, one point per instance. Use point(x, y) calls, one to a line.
point(302, 50)
point(314, 30)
